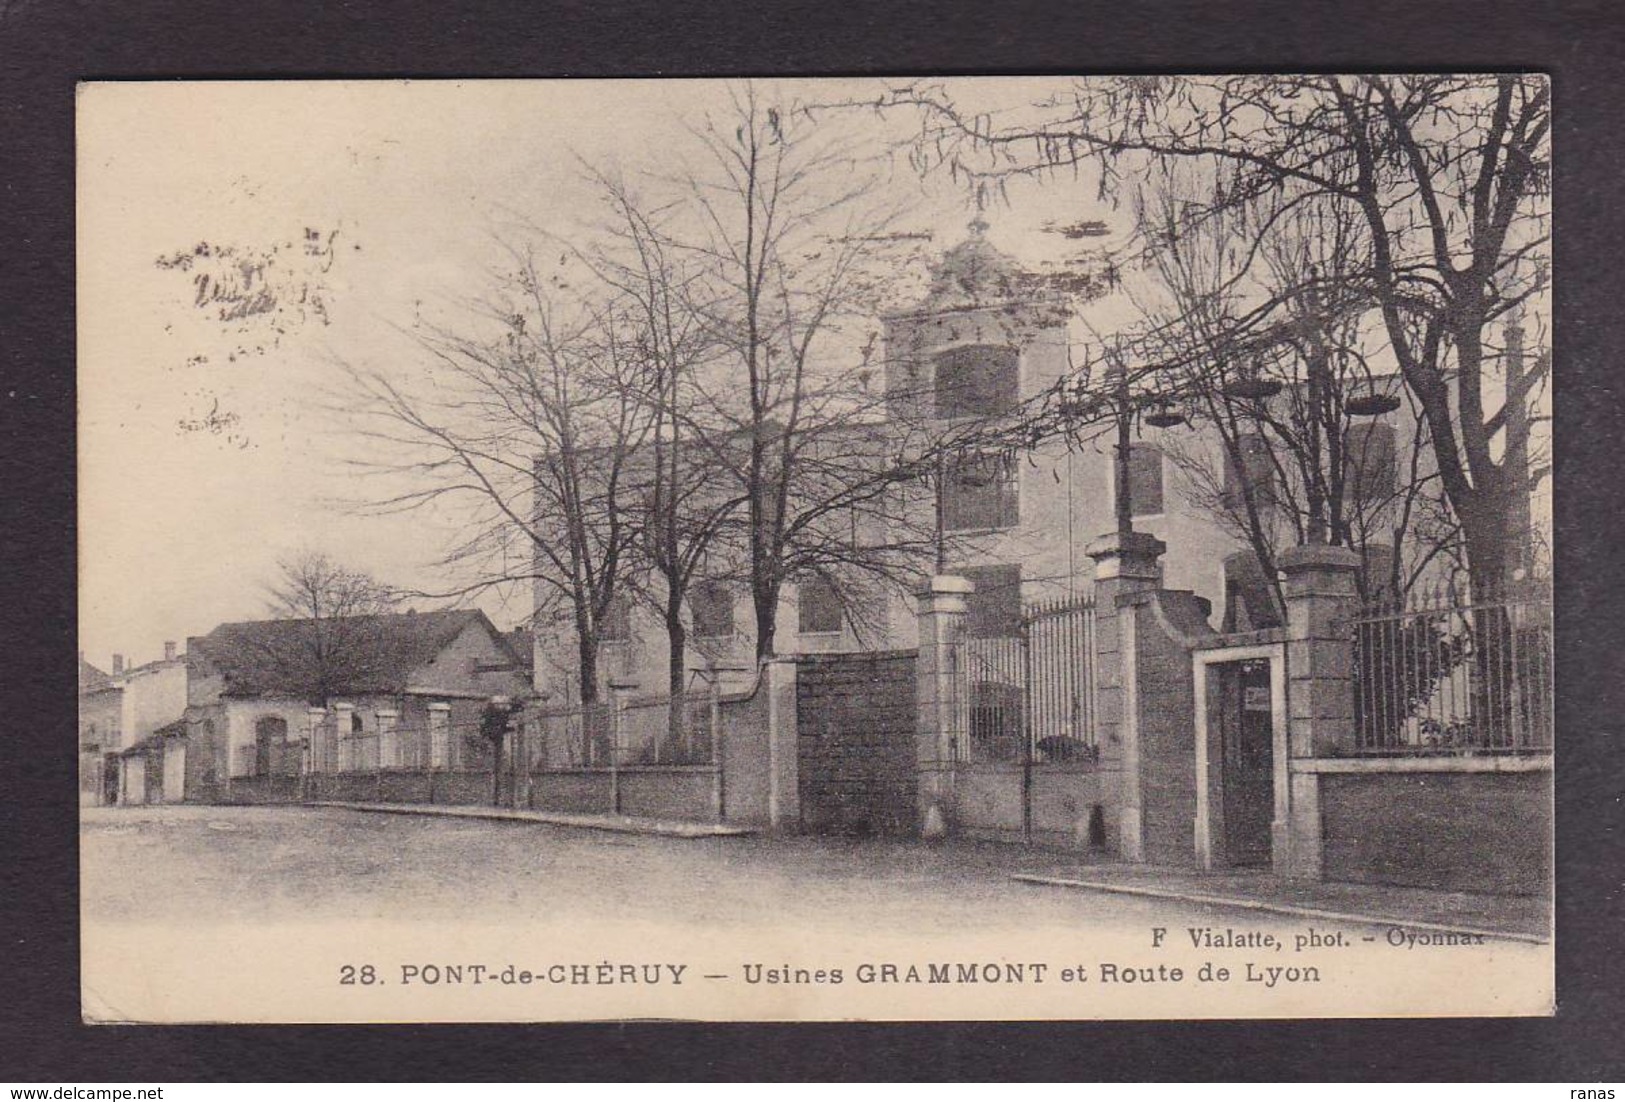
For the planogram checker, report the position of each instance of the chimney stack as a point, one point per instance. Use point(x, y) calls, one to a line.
point(169, 650)
point(118, 664)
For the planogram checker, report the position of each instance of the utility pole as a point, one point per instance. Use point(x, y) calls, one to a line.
point(1125, 423)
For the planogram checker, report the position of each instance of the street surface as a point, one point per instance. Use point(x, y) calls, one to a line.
point(328, 914)
point(230, 864)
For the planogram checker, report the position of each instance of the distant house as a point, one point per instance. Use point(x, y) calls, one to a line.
point(269, 701)
point(119, 713)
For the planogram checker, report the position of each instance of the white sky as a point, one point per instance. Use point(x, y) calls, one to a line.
point(181, 530)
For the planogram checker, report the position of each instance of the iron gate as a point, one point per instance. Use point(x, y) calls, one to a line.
point(1032, 696)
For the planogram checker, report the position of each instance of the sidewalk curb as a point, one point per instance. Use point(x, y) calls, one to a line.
point(1294, 909)
point(616, 825)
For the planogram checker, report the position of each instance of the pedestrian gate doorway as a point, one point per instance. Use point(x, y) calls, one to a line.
point(1241, 776)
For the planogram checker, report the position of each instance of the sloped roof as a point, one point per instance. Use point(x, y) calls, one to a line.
point(155, 740)
point(91, 678)
point(368, 654)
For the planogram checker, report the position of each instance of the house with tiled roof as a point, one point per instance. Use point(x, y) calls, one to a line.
point(272, 701)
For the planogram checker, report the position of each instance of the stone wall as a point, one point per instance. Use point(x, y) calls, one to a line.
point(270, 789)
point(575, 792)
point(1068, 801)
point(646, 791)
point(396, 786)
point(1454, 831)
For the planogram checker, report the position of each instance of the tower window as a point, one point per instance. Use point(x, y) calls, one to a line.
point(980, 380)
point(616, 626)
point(1369, 463)
point(980, 492)
point(1256, 474)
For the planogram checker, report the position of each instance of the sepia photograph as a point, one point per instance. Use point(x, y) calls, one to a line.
point(862, 549)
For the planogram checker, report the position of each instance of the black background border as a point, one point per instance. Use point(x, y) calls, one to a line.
point(45, 47)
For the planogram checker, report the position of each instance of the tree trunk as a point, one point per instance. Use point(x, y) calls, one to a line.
point(1490, 561)
point(587, 666)
point(676, 678)
point(766, 599)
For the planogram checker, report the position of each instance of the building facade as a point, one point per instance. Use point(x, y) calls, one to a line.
point(983, 346)
point(120, 715)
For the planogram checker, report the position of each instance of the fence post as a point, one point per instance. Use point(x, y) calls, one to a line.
point(714, 709)
point(343, 734)
point(1125, 564)
point(1321, 597)
point(617, 695)
point(389, 745)
point(439, 742)
point(315, 756)
point(942, 698)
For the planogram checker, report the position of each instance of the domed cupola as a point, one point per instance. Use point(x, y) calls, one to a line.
point(973, 274)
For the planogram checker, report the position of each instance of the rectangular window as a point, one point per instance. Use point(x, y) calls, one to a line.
point(616, 626)
point(1145, 480)
point(981, 492)
point(994, 608)
point(712, 606)
point(977, 381)
point(818, 607)
point(1369, 464)
point(1257, 473)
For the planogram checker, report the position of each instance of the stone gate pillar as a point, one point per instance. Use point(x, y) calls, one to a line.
point(943, 698)
point(349, 758)
point(1125, 564)
point(1321, 597)
point(389, 746)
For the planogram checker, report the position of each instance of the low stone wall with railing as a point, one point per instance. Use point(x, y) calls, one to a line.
point(706, 756)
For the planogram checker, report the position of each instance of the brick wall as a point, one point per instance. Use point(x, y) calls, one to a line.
point(855, 718)
point(1481, 832)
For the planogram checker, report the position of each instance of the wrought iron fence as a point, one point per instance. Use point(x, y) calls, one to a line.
point(1447, 674)
point(1032, 696)
point(679, 730)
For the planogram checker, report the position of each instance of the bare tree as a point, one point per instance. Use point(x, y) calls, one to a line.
point(791, 248)
point(527, 424)
point(332, 636)
point(1449, 176)
point(1295, 463)
point(682, 509)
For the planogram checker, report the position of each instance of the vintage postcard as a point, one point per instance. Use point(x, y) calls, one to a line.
point(863, 549)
